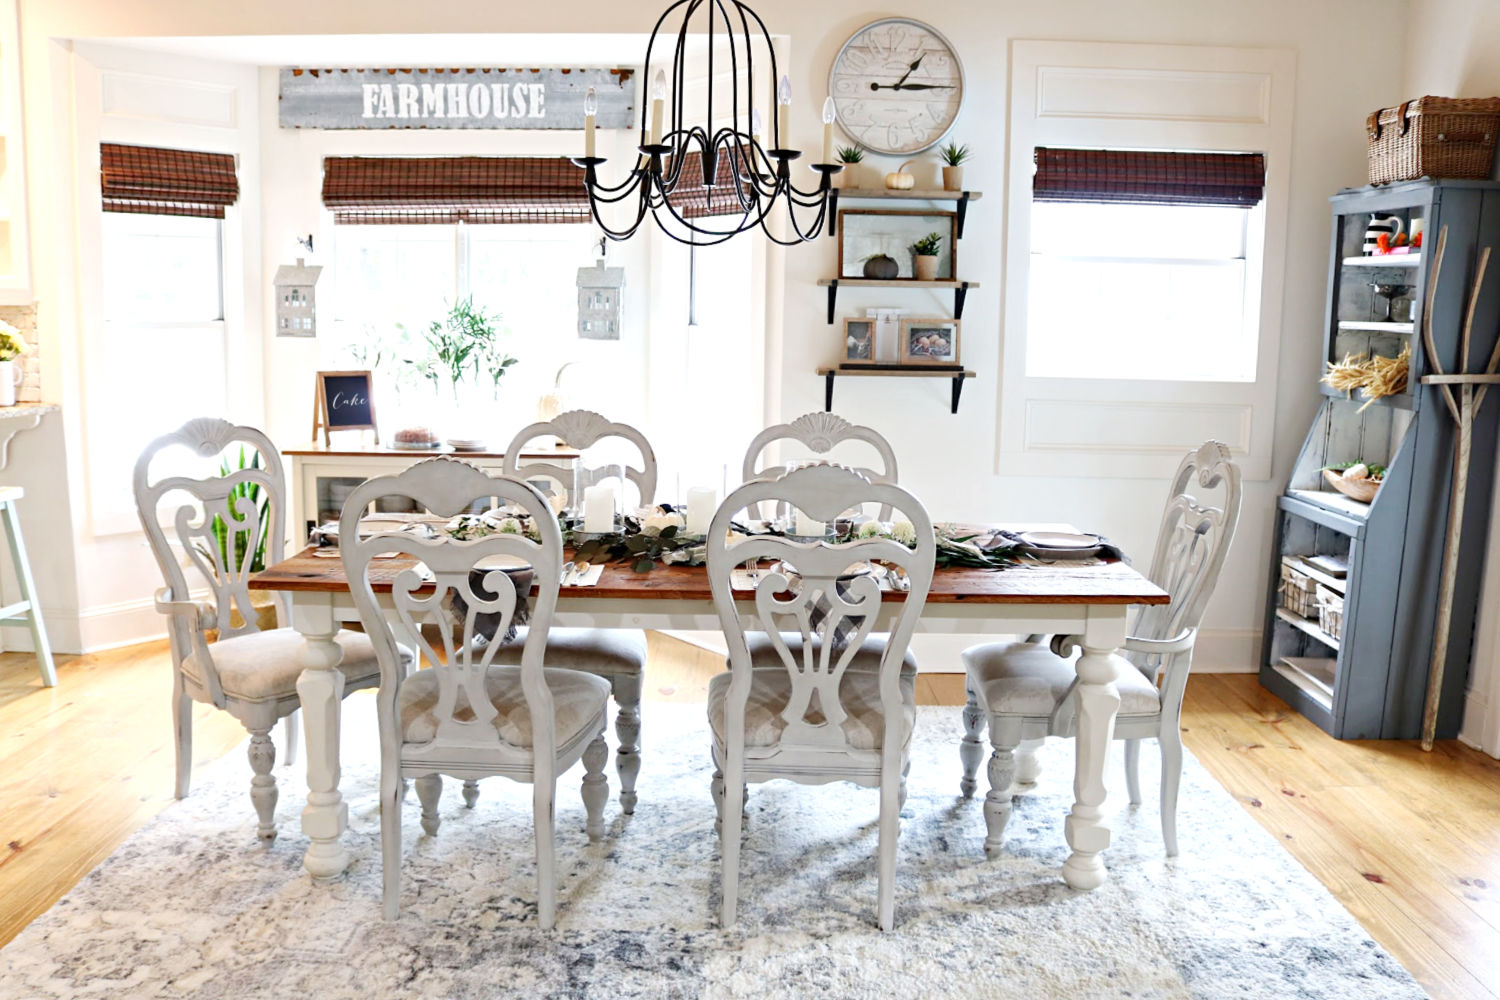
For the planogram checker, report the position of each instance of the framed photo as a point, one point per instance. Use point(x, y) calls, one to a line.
point(859, 342)
point(865, 233)
point(344, 402)
point(887, 333)
point(929, 342)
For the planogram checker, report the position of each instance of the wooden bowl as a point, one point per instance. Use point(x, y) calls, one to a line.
point(1363, 490)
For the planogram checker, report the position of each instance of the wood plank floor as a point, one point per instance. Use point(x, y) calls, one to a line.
point(1408, 842)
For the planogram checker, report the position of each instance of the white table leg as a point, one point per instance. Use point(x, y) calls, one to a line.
point(321, 690)
point(1098, 702)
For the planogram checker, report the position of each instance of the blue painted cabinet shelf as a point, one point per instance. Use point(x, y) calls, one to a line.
point(1370, 681)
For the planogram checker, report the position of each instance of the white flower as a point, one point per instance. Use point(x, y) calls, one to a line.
point(558, 502)
point(533, 531)
point(656, 523)
point(870, 529)
point(509, 526)
point(904, 531)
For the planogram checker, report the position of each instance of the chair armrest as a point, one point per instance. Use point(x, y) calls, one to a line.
point(199, 615)
point(1062, 645)
point(1179, 643)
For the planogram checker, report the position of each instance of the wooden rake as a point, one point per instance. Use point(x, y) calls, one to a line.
point(1464, 408)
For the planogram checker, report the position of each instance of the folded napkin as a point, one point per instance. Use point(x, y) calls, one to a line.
point(1107, 550)
point(588, 578)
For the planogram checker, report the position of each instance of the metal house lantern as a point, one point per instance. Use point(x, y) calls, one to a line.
point(296, 300)
point(600, 293)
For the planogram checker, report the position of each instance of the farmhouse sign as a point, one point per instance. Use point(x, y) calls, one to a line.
point(454, 98)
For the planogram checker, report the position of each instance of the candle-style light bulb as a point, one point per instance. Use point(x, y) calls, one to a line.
point(590, 110)
point(784, 113)
point(755, 124)
point(658, 98)
point(829, 114)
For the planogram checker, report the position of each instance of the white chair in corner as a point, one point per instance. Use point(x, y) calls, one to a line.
point(209, 527)
point(820, 433)
point(618, 655)
point(808, 716)
point(468, 716)
point(1023, 690)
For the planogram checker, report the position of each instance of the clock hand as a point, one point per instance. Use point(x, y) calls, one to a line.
point(911, 69)
point(910, 86)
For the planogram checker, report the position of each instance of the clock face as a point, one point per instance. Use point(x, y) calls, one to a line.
point(897, 85)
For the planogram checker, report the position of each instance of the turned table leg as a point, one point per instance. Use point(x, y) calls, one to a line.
point(1098, 703)
point(321, 690)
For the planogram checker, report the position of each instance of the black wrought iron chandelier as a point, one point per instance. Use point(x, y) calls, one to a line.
point(731, 157)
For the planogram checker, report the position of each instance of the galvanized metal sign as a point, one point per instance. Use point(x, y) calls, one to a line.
point(454, 98)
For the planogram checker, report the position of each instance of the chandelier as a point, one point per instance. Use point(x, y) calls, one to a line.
point(704, 185)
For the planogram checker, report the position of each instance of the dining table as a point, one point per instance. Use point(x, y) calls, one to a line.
point(1089, 599)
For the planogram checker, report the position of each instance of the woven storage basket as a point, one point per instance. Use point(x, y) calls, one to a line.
point(1434, 137)
point(1299, 592)
point(1331, 611)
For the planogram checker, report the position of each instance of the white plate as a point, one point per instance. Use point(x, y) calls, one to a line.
point(414, 445)
point(503, 561)
point(468, 444)
point(1058, 540)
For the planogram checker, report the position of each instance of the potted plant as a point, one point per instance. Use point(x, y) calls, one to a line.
point(925, 256)
point(12, 346)
point(232, 551)
point(953, 156)
point(851, 157)
point(463, 356)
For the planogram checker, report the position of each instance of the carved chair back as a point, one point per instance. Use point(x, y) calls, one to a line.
point(211, 525)
point(823, 592)
point(1190, 549)
point(582, 429)
point(475, 573)
point(821, 433)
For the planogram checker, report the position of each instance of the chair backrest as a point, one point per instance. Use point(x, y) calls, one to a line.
point(821, 432)
point(582, 429)
point(474, 572)
point(832, 609)
point(216, 523)
point(1190, 548)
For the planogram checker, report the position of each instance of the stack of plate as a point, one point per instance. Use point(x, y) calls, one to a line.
point(1059, 544)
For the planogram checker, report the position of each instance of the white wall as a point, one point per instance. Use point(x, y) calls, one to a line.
point(946, 459)
point(1450, 52)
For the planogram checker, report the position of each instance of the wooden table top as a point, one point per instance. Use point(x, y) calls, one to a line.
point(418, 454)
point(1039, 583)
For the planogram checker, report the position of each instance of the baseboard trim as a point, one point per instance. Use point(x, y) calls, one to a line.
point(125, 623)
point(1480, 730)
point(62, 633)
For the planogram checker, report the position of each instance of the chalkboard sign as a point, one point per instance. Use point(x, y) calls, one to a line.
point(344, 402)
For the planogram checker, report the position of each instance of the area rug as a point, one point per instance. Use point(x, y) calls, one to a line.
point(191, 906)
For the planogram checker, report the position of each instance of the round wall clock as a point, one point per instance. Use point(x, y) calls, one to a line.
point(897, 85)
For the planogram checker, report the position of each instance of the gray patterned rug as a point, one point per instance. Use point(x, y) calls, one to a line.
point(190, 906)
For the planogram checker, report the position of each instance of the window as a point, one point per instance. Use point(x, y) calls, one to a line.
point(1169, 293)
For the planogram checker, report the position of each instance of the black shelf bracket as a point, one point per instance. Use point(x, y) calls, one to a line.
point(828, 392)
point(833, 298)
point(962, 211)
point(833, 215)
point(958, 390)
point(959, 294)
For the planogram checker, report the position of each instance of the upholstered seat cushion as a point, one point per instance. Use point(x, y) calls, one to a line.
point(859, 693)
point(577, 700)
point(264, 666)
point(602, 651)
point(1025, 678)
point(866, 659)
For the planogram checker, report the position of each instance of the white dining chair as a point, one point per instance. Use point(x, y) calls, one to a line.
point(1023, 690)
point(821, 433)
point(815, 719)
point(468, 716)
point(618, 655)
point(203, 532)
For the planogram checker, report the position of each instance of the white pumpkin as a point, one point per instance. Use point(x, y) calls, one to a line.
point(899, 179)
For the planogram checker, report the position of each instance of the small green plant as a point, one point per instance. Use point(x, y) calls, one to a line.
point(927, 246)
point(464, 347)
point(851, 154)
point(232, 551)
point(954, 154)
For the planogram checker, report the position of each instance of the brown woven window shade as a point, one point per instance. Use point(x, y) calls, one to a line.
point(147, 180)
point(1121, 176)
point(473, 189)
point(694, 200)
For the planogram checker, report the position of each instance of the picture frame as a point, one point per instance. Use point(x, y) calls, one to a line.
point(344, 401)
point(864, 233)
point(931, 341)
point(860, 339)
point(887, 332)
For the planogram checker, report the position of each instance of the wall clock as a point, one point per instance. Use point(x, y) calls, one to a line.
point(897, 85)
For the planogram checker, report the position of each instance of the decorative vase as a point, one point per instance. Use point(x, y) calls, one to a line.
point(851, 176)
point(953, 178)
point(840, 180)
point(926, 266)
point(10, 377)
point(882, 267)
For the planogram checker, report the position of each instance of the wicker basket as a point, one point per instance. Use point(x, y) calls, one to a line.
point(1330, 611)
point(1299, 592)
point(1434, 137)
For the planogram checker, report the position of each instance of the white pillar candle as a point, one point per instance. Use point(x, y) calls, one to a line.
point(590, 114)
point(829, 114)
point(784, 113)
point(658, 99)
point(701, 503)
point(599, 509)
point(807, 527)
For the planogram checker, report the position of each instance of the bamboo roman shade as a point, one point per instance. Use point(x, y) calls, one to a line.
point(695, 200)
point(147, 180)
point(448, 189)
point(1126, 176)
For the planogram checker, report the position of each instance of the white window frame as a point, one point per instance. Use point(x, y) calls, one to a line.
point(1120, 96)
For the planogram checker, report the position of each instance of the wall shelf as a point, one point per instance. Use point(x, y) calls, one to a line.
point(1390, 260)
point(895, 371)
point(1347, 325)
point(1308, 626)
point(960, 289)
point(960, 198)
